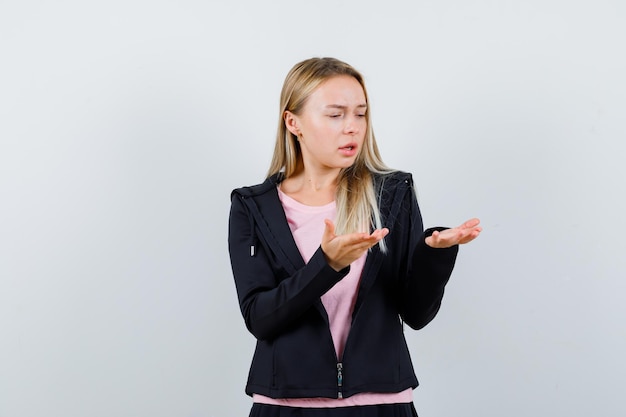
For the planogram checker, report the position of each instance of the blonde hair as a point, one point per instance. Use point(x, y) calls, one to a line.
point(356, 199)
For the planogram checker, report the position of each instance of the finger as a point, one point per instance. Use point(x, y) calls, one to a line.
point(433, 239)
point(471, 236)
point(382, 232)
point(363, 246)
point(363, 243)
point(329, 231)
point(378, 235)
point(470, 223)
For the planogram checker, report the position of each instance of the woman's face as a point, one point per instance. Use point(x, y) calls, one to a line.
point(332, 125)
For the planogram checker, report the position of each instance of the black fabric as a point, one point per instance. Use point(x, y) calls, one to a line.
point(279, 297)
point(383, 410)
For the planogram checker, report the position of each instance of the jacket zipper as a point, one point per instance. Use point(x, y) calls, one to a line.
point(339, 380)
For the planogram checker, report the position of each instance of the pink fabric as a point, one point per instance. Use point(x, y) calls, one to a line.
point(307, 226)
point(366, 398)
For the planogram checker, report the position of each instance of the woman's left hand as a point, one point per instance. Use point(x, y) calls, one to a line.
point(465, 233)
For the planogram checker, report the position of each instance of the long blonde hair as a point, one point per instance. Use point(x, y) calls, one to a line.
point(356, 199)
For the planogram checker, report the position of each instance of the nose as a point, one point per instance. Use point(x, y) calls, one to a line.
point(352, 125)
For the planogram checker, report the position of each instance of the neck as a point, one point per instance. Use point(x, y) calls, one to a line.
point(319, 178)
point(317, 182)
point(312, 188)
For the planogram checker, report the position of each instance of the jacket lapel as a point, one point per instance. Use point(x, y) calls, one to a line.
point(269, 211)
point(271, 220)
point(375, 258)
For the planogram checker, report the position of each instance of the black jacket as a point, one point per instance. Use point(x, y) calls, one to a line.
point(279, 296)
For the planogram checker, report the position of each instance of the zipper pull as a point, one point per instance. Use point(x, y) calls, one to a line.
point(339, 379)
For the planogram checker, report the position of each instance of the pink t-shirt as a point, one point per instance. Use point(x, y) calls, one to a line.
point(307, 226)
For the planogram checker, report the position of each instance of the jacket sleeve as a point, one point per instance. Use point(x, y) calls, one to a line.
point(426, 270)
point(270, 298)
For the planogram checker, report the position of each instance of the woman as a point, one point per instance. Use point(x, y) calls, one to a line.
point(330, 258)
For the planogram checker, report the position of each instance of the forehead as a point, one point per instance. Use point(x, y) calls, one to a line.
point(339, 90)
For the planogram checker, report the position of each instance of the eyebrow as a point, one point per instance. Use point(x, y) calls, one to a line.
point(339, 106)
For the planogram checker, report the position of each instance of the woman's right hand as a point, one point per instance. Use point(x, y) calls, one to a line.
point(341, 251)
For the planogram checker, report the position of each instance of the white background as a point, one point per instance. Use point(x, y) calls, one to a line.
point(124, 125)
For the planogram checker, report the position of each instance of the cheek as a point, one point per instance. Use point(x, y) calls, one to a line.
point(326, 127)
point(321, 125)
point(363, 125)
point(363, 129)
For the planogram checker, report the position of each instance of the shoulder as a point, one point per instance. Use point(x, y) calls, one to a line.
point(393, 180)
point(396, 196)
point(258, 189)
point(392, 189)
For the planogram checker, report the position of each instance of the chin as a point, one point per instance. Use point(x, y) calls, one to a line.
point(347, 164)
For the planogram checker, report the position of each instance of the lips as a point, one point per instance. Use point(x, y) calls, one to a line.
point(349, 149)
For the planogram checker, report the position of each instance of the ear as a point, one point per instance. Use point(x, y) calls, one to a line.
point(292, 123)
